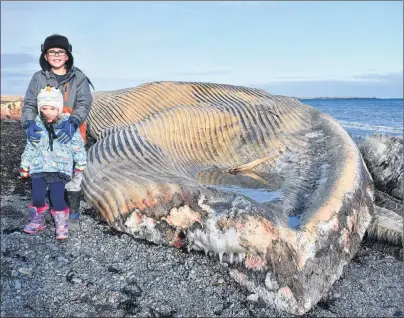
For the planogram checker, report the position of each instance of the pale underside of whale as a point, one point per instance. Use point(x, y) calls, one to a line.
point(273, 186)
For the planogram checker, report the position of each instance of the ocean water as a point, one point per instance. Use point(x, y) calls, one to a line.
point(362, 117)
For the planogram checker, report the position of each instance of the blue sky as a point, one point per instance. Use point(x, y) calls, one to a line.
point(291, 48)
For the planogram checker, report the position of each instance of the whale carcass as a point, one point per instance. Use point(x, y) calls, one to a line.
point(270, 185)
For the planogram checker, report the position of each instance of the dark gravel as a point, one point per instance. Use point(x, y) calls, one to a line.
point(99, 272)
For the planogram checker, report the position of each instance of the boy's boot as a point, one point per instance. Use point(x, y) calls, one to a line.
point(36, 219)
point(61, 219)
point(73, 199)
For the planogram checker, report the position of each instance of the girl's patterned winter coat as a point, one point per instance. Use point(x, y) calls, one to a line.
point(40, 158)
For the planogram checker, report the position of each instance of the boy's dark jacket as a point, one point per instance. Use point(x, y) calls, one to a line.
point(78, 95)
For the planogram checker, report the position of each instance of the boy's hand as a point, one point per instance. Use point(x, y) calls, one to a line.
point(31, 130)
point(78, 169)
point(67, 130)
point(24, 173)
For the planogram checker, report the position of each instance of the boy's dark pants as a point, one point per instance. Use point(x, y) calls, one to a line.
point(73, 196)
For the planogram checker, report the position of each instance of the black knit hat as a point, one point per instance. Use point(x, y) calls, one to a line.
point(56, 41)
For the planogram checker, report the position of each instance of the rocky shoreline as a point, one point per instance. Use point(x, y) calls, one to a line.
point(100, 272)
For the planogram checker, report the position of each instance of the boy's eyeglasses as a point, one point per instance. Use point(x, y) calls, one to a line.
point(56, 53)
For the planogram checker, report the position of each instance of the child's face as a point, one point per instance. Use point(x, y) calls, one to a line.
point(56, 57)
point(49, 113)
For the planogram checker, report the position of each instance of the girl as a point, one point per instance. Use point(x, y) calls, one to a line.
point(50, 162)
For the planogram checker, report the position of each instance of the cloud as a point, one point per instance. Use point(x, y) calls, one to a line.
point(110, 84)
point(8, 74)
point(389, 77)
point(18, 68)
point(13, 60)
point(14, 86)
point(386, 86)
point(368, 85)
point(120, 82)
point(16, 72)
point(280, 79)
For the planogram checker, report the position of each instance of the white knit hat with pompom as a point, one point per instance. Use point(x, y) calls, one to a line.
point(50, 96)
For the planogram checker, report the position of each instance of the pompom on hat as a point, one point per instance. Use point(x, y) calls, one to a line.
point(50, 96)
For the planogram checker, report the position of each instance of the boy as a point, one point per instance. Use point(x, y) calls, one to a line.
point(56, 61)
